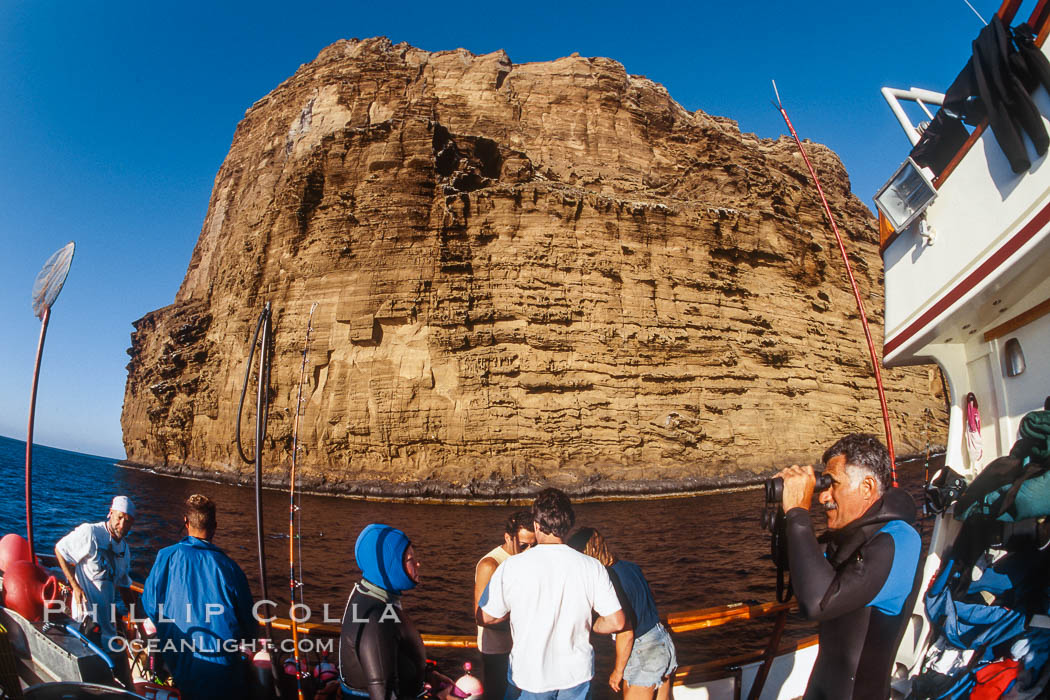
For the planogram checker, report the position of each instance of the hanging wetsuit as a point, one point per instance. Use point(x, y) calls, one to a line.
point(994, 75)
point(996, 85)
point(861, 590)
point(381, 654)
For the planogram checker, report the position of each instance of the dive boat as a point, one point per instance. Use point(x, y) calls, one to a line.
point(965, 243)
point(966, 252)
point(965, 225)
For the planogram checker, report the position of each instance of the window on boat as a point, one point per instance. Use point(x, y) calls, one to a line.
point(1013, 358)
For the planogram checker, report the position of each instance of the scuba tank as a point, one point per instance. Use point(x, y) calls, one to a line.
point(467, 685)
point(262, 686)
point(294, 679)
point(291, 670)
point(326, 675)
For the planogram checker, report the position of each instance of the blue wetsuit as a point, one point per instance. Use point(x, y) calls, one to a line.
point(200, 601)
point(861, 590)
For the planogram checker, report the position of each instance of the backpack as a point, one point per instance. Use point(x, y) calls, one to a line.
point(1017, 486)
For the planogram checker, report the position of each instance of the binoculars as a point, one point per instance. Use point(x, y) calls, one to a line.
point(772, 518)
point(775, 487)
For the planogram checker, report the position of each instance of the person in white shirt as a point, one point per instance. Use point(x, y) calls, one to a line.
point(549, 592)
point(96, 561)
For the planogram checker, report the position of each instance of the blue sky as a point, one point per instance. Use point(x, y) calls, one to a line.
point(115, 117)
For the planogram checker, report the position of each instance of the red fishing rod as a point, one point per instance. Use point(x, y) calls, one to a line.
point(48, 284)
point(853, 283)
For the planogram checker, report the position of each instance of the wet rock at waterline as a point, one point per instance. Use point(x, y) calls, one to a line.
point(525, 274)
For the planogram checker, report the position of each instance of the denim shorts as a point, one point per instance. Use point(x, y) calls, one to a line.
point(652, 659)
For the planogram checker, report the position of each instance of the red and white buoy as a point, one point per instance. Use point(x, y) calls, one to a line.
point(467, 685)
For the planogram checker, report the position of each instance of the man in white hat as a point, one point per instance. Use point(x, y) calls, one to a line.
point(96, 561)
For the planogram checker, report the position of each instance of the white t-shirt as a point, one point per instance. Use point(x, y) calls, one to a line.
point(101, 566)
point(549, 592)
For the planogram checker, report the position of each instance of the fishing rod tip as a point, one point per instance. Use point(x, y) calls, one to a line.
point(779, 104)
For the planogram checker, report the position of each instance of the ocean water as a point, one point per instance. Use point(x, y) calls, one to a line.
point(696, 552)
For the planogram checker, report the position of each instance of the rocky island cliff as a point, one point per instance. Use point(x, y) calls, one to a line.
point(525, 274)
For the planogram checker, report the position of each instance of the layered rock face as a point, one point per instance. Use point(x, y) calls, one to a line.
point(524, 274)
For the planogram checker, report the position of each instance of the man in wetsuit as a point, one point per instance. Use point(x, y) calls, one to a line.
point(862, 588)
point(381, 654)
point(494, 642)
point(199, 600)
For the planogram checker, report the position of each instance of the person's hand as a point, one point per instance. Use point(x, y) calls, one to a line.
point(436, 677)
point(798, 487)
point(441, 683)
point(78, 595)
point(615, 679)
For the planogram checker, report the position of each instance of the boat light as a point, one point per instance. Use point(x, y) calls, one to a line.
point(1014, 358)
point(905, 197)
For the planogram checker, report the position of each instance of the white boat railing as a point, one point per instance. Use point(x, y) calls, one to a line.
point(893, 97)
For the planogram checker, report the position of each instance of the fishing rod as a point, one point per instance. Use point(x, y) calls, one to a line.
point(926, 412)
point(46, 287)
point(261, 412)
point(853, 282)
point(295, 583)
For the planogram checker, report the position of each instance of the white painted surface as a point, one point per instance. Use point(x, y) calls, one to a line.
point(1025, 392)
point(980, 206)
point(787, 680)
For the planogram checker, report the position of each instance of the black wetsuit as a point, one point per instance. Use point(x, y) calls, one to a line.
point(861, 591)
point(380, 656)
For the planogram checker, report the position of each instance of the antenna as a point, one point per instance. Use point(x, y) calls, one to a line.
point(983, 20)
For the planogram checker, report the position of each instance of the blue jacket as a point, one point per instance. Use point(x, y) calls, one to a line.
point(200, 601)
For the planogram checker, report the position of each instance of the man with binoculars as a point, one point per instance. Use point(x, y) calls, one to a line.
point(861, 585)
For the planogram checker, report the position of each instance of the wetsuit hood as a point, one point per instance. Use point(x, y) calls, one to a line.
point(895, 504)
point(380, 554)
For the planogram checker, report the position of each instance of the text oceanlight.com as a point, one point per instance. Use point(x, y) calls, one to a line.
point(224, 647)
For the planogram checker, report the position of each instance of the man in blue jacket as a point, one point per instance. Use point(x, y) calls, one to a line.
point(201, 604)
point(861, 586)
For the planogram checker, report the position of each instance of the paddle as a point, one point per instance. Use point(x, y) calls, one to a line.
point(45, 290)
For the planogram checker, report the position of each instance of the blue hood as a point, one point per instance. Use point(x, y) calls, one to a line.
point(380, 554)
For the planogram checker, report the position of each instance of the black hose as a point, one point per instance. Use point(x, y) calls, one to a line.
point(244, 387)
point(261, 413)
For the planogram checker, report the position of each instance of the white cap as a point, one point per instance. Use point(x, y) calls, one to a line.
point(124, 505)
